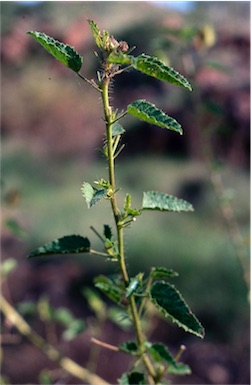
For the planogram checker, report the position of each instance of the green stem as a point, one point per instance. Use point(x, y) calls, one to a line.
point(109, 120)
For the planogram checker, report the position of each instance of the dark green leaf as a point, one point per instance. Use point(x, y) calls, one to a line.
point(160, 353)
point(162, 272)
point(151, 66)
point(148, 112)
point(169, 302)
point(154, 67)
point(129, 347)
point(109, 288)
point(134, 378)
point(70, 244)
point(107, 232)
point(62, 52)
point(154, 200)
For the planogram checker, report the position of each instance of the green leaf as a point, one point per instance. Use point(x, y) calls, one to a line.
point(157, 69)
point(76, 327)
point(91, 195)
point(63, 316)
point(117, 129)
point(160, 353)
point(96, 33)
point(107, 232)
point(62, 52)
point(70, 244)
point(149, 113)
point(169, 302)
point(179, 369)
point(151, 66)
point(134, 378)
point(109, 288)
point(129, 347)
point(154, 200)
point(162, 272)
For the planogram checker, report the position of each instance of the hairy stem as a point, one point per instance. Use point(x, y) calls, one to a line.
point(109, 120)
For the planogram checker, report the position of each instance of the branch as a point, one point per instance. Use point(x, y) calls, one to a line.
point(52, 353)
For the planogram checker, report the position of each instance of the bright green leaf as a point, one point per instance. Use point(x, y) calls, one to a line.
point(63, 316)
point(154, 200)
point(171, 304)
point(148, 112)
point(62, 52)
point(70, 244)
point(179, 369)
point(134, 284)
point(162, 272)
point(96, 33)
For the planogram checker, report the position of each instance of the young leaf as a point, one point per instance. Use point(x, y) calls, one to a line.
point(154, 200)
point(91, 195)
point(134, 378)
point(134, 284)
point(169, 302)
point(117, 129)
point(96, 33)
point(107, 232)
point(162, 272)
point(149, 113)
point(70, 244)
point(179, 369)
point(62, 52)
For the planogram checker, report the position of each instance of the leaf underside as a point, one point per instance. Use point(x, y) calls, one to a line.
point(151, 66)
point(62, 52)
point(154, 200)
point(91, 195)
point(70, 244)
point(171, 304)
point(148, 112)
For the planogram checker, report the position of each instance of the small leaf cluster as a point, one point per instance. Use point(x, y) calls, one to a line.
point(136, 294)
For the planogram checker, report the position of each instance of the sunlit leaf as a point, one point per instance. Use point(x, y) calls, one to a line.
point(154, 200)
point(149, 113)
point(62, 52)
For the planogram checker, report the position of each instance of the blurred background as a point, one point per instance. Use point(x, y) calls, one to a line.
point(52, 130)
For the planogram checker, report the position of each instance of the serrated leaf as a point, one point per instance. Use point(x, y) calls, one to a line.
point(96, 33)
point(154, 67)
point(162, 272)
point(70, 244)
point(66, 54)
point(151, 66)
point(171, 304)
point(91, 195)
point(109, 288)
point(134, 378)
point(129, 347)
point(149, 113)
point(154, 200)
